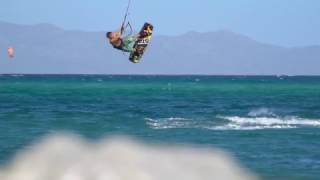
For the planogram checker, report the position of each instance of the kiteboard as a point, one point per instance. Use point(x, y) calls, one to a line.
point(141, 44)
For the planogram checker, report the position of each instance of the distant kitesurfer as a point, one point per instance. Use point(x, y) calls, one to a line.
point(10, 52)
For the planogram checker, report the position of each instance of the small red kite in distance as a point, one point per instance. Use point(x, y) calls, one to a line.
point(11, 52)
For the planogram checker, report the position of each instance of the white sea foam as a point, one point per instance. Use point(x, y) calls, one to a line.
point(233, 123)
point(66, 157)
point(257, 127)
point(274, 121)
point(252, 123)
point(169, 123)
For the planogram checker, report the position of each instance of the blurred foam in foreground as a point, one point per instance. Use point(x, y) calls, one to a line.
point(67, 157)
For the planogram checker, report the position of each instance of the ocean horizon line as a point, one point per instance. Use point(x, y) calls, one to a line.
point(93, 74)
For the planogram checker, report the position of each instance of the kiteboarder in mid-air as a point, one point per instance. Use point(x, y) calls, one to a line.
point(117, 40)
point(133, 44)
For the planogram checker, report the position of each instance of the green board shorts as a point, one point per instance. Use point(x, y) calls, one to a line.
point(128, 43)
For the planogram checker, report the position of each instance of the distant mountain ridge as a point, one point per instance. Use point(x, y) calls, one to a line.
point(48, 49)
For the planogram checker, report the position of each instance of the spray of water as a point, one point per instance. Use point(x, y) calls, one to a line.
point(68, 157)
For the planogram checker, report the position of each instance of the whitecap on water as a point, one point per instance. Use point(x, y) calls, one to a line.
point(254, 123)
point(256, 119)
point(169, 123)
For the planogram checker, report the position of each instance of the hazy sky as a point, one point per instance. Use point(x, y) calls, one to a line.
point(282, 22)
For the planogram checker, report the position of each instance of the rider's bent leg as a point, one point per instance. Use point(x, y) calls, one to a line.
point(128, 43)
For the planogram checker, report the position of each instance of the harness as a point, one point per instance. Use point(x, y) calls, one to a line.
point(120, 47)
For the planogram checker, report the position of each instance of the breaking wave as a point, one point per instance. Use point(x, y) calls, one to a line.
point(252, 123)
point(257, 119)
point(67, 157)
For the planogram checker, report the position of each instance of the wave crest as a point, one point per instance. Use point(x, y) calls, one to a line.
point(233, 123)
point(253, 123)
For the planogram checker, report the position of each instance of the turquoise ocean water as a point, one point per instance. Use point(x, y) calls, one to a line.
point(270, 124)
